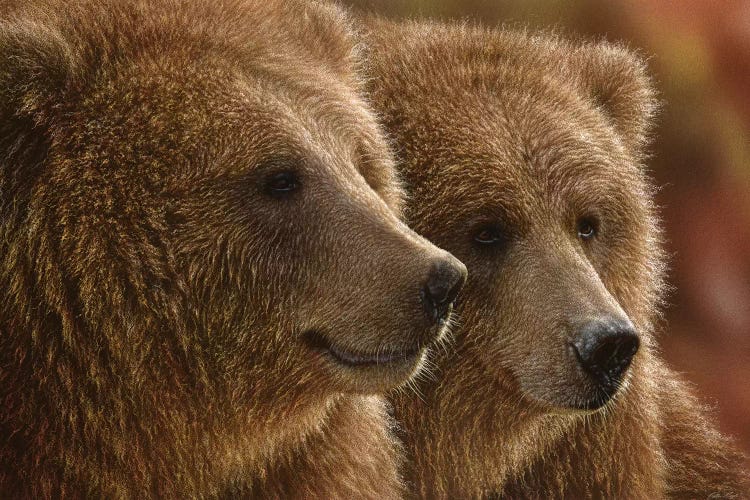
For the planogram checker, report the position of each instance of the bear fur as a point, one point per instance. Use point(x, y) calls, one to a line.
point(197, 212)
point(527, 135)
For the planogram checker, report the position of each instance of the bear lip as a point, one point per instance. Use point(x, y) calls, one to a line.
point(595, 403)
point(360, 359)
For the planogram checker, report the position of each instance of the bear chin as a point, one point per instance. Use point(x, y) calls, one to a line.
point(587, 399)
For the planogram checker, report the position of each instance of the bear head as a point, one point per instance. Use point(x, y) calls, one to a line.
point(198, 217)
point(523, 157)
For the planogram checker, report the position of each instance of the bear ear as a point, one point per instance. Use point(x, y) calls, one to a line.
point(331, 23)
point(34, 70)
point(35, 67)
point(616, 80)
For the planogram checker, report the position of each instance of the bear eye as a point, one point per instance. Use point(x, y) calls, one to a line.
point(281, 184)
point(587, 228)
point(489, 235)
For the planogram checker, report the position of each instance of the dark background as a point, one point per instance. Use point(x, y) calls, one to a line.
point(699, 53)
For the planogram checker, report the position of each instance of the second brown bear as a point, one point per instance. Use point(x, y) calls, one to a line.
point(523, 156)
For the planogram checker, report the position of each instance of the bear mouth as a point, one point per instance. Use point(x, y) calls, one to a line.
point(359, 359)
point(595, 403)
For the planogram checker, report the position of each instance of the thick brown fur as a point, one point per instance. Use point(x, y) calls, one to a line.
point(157, 289)
point(527, 134)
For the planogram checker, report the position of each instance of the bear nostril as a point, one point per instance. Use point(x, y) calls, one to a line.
point(444, 281)
point(605, 350)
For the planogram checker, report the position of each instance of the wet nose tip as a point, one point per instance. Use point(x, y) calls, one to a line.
point(606, 348)
point(445, 279)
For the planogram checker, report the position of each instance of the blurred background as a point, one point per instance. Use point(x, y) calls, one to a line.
point(699, 53)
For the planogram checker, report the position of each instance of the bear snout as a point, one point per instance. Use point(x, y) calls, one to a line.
point(604, 349)
point(444, 280)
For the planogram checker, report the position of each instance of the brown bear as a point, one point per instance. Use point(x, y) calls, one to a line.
point(523, 156)
point(204, 279)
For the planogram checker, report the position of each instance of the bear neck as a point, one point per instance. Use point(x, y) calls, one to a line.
point(614, 453)
point(472, 435)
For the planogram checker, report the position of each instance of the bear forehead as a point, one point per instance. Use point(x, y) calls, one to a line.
point(513, 157)
point(199, 129)
point(99, 32)
point(161, 99)
point(141, 52)
point(215, 92)
point(497, 105)
point(507, 84)
point(539, 139)
point(191, 124)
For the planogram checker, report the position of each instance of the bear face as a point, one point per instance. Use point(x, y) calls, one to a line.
point(547, 296)
point(199, 232)
point(253, 220)
point(522, 157)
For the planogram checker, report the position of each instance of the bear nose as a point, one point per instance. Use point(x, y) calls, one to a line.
point(444, 281)
point(605, 349)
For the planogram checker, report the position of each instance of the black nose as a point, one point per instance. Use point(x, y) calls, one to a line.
point(605, 350)
point(444, 281)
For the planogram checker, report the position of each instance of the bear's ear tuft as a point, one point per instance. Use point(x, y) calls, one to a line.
point(35, 66)
point(617, 81)
point(331, 23)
